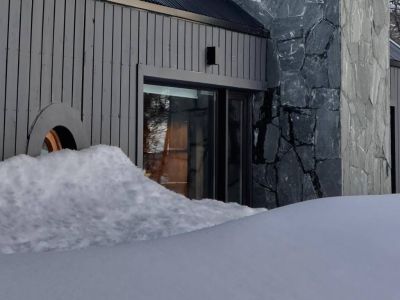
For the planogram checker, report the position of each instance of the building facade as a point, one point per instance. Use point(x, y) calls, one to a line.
point(265, 103)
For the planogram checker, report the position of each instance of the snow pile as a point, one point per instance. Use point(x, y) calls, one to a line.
point(330, 249)
point(71, 199)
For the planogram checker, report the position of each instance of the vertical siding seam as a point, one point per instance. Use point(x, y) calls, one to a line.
point(92, 96)
point(129, 89)
point(112, 72)
point(73, 57)
point(29, 79)
point(41, 58)
point(120, 80)
point(162, 41)
point(102, 76)
point(52, 53)
point(5, 81)
point(83, 58)
point(63, 55)
point(17, 83)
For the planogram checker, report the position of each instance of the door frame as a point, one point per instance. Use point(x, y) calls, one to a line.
point(221, 83)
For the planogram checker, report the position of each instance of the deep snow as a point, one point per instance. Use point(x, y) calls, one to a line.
point(73, 199)
point(341, 248)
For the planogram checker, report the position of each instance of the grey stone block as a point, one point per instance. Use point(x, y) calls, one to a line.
point(334, 61)
point(306, 154)
point(329, 173)
point(290, 179)
point(308, 188)
point(315, 72)
point(327, 135)
point(291, 54)
point(323, 97)
point(271, 143)
point(293, 90)
point(319, 37)
point(303, 126)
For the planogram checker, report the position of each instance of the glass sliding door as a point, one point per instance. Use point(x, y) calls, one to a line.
point(178, 141)
point(237, 146)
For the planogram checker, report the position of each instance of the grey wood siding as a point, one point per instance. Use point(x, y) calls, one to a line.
point(84, 53)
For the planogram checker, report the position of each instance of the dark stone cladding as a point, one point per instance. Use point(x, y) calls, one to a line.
point(297, 122)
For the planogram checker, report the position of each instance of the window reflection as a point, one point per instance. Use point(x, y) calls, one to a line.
point(179, 139)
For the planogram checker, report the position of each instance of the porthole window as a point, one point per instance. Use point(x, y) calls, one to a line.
point(57, 139)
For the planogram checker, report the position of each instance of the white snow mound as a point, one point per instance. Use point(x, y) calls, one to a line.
point(74, 199)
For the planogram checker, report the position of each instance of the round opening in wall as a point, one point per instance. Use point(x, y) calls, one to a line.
point(58, 138)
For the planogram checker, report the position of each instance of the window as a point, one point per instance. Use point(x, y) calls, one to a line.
point(57, 139)
point(178, 139)
point(194, 141)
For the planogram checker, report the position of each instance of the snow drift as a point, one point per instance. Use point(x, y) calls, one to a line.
point(330, 249)
point(71, 199)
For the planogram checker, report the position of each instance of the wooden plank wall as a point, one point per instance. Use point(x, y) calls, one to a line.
point(84, 53)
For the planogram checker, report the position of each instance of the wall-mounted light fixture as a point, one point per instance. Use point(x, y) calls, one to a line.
point(212, 55)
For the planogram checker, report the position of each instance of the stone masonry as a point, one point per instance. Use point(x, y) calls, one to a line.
point(303, 148)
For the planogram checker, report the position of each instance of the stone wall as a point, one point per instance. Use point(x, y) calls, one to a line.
point(297, 123)
point(365, 97)
point(322, 129)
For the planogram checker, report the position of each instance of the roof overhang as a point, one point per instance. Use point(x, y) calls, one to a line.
point(192, 17)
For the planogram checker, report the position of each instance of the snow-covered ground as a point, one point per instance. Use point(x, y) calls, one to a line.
point(340, 248)
point(74, 199)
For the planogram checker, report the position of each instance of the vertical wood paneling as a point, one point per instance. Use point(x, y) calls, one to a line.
point(252, 58)
point(12, 79)
point(221, 58)
point(85, 53)
point(234, 54)
point(107, 75)
point(67, 77)
point(23, 78)
point(246, 57)
point(79, 36)
point(133, 84)
point(142, 37)
point(215, 42)
point(87, 93)
point(158, 41)
point(209, 42)
point(166, 42)
point(195, 47)
point(258, 59)
point(98, 72)
point(240, 56)
point(202, 48)
point(3, 70)
point(228, 53)
point(125, 60)
point(188, 46)
point(181, 44)
point(36, 61)
point(263, 59)
point(58, 51)
point(174, 43)
point(151, 24)
point(47, 53)
point(116, 75)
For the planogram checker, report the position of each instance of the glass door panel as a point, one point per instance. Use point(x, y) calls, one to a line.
point(179, 139)
point(236, 146)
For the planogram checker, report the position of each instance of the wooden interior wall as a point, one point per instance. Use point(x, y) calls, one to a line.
point(84, 53)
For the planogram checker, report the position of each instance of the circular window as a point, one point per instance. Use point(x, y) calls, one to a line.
point(57, 139)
